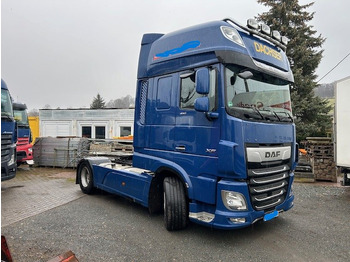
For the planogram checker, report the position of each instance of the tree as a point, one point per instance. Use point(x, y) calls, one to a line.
point(33, 112)
point(304, 53)
point(124, 102)
point(97, 102)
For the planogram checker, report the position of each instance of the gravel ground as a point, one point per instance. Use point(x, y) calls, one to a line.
point(104, 227)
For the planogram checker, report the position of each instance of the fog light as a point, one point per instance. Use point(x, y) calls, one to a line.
point(202, 216)
point(233, 200)
point(237, 220)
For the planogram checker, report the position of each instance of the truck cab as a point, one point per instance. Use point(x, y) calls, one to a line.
point(213, 108)
point(24, 137)
point(8, 135)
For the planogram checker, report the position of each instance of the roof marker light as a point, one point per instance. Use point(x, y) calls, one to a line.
point(284, 40)
point(265, 29)
point(231, 34)
point(276, 35)
point(252, 23)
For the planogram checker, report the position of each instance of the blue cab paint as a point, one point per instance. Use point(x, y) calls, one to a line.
point(232, 145)
point(8, 135)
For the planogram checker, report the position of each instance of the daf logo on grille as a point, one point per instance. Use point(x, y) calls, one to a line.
point(263, 154)
point(272, 154)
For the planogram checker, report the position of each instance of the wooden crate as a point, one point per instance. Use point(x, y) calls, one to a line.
point(321, 152)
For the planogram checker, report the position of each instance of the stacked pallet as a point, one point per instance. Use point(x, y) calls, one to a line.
point(321, 152)
point(111, 147)
point(60, 151)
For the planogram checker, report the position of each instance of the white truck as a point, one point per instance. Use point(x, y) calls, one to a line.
point(342, 127)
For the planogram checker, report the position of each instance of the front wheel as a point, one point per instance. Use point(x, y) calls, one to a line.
point(86, 178)
point(175, 204)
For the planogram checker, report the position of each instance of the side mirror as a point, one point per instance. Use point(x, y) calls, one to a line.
point(246, 75)
point(202, 81)
point(201, 104)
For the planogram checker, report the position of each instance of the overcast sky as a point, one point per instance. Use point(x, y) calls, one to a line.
point(64, 52)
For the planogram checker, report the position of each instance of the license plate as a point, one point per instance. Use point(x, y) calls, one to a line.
point(270, 216)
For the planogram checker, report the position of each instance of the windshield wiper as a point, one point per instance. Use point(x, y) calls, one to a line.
point(257, 111)
point(272, 112)
point(289, 117)
point(279, 119)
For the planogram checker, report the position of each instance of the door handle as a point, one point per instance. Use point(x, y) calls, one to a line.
point(180, 148)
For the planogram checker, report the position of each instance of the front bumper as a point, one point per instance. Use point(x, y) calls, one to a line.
point(222, 218)
point(8, 169)
point(24, 153)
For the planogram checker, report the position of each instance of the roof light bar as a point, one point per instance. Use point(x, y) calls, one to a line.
point(284, 40)
point(262, 30)
point(276, 35)
point(253, 24)
point(265, 29)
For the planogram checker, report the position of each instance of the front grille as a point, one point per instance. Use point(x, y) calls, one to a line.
point(22, 141)
point(6, 141)
point(268, 183)
point(21, 155)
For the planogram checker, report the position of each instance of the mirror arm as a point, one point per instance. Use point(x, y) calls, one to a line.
point(212, 115)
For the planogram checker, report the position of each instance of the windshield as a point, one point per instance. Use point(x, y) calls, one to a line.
point(21, 117)
point(6, 104)
point(255, 96)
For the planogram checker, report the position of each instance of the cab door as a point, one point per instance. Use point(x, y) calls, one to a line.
point(196, 132)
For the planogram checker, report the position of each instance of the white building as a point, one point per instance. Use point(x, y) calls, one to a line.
point(91, 123)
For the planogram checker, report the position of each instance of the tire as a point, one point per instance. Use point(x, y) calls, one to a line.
point(85, 177)
point(175, 204)
point(346, 181)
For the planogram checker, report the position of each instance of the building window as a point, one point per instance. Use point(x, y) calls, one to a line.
point(100, 132)
point(125, 131)
point(86, 131)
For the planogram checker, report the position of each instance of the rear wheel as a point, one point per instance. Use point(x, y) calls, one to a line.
point(86, 178)
point(175, 204)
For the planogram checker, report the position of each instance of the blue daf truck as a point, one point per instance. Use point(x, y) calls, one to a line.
point(214, 138)
point(8, 135)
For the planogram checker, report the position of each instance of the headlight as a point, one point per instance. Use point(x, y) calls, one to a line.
point(12, 160)
point(30, 150)
point(233, 200)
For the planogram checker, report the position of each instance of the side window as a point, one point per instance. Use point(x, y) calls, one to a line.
point(164, 93)
point(212, 90)
point(189, 94)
